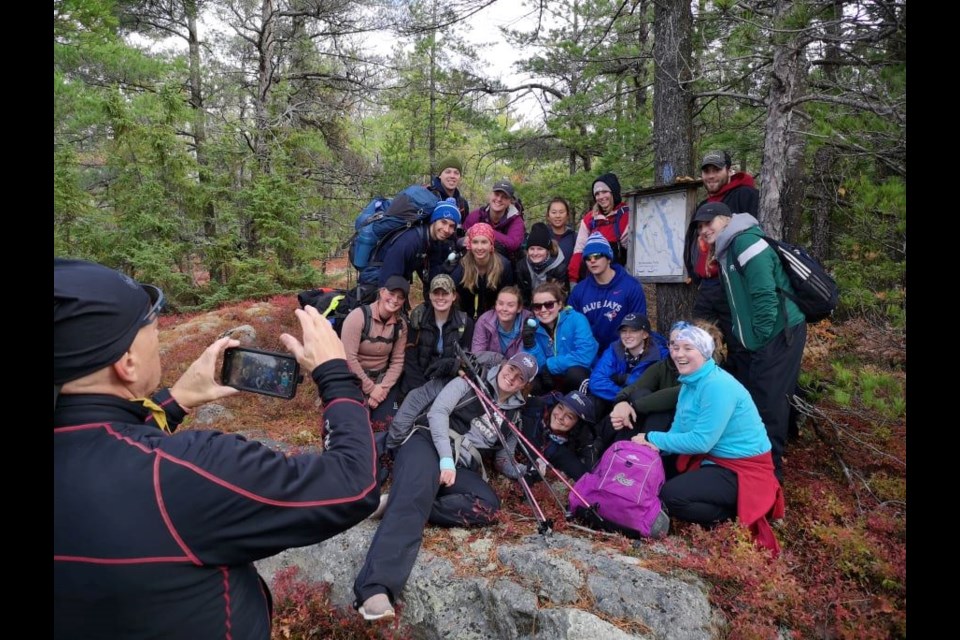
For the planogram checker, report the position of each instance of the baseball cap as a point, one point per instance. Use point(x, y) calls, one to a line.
point(526, 364)
point(580, 404)
point(635, 321)
point(397, 282)
point(504, 185)
point(715, 159)
point(443, 281)
point(710, 210)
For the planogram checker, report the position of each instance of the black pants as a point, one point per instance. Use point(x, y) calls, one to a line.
point(773, 377)
point(416, 497)
point(711, 304)
point(706, 496)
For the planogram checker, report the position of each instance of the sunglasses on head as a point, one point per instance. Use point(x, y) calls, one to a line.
point(157, 303)
point(544, 305)
point(594, 256)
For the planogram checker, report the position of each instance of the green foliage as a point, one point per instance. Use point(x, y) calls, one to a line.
point(873, 268)
point(855, 385)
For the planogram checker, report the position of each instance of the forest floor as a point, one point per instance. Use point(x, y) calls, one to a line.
point(842, 571)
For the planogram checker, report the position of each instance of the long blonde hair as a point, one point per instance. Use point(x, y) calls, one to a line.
point(471, 271)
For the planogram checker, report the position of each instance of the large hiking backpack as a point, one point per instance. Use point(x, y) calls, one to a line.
point(814, 291)
point(383, 219)
point(336, 305)
point(623, 489)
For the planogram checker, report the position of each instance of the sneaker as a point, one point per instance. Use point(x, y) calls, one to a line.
point(377, 607)
point(378, 512)
point(661, 526)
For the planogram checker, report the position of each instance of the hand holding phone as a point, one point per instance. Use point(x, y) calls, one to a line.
point(197, 385)
point(320, 342)
point(265, 372)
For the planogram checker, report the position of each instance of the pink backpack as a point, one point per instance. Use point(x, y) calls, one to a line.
point(623, 488)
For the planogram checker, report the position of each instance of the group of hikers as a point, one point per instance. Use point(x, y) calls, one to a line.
point(526, 337)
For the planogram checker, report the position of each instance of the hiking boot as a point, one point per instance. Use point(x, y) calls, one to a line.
point(378, 512)
point(661, 526)
point(377, 607)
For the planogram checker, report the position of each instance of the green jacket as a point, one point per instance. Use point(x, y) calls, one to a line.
point(752, 273)
point(661, 378)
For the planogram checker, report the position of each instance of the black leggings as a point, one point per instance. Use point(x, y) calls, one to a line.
point(706, 496)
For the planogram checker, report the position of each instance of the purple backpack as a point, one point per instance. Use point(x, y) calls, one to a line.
point(623, 488)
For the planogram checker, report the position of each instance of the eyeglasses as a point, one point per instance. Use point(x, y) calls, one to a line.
point(157, 303)
point(594, 256)
point(544, 305)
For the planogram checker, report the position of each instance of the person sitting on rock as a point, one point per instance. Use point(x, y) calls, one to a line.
point(437, 439)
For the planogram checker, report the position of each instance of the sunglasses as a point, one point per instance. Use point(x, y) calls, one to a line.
point(594, 256)
point(158, 302)
point(544, 305)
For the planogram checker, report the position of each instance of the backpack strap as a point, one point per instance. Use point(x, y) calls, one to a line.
point(365, 332)
point(459, 445)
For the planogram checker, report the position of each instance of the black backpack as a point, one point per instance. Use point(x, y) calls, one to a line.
point(815, 292)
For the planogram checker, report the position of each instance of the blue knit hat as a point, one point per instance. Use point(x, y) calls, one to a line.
point(446, 210)
point(596, 243)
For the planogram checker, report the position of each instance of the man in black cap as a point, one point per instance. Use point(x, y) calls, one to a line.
point(738, 192)
point(155, 532)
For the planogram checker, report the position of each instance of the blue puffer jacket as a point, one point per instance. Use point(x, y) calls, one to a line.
point(574, 344)
point(613, 363)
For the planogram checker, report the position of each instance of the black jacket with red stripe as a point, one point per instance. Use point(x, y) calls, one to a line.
point(155, 534)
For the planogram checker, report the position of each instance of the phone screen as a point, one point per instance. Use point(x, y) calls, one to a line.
point(266, 372)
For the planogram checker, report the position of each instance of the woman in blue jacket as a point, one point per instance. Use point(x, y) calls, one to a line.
point(562, 343)
point(624, 360)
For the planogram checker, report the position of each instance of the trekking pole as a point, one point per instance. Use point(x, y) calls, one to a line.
point(544, 524)
point(527, 446)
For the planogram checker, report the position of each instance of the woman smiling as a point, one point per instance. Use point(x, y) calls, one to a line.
point(562, 343)
point(718, 461)
point(482, 272)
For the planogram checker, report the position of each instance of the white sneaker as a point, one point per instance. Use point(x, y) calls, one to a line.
point(377, 607)
point(378, 512)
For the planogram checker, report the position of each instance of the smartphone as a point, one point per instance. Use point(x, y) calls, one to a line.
point(266, 372)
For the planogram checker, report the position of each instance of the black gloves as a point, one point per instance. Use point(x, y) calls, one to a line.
point(528, 334)
point(621, 379)
point(442, 368)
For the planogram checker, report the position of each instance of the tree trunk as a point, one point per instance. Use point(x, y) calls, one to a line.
point(264, 81)
point(780, 152)
point(823, 194)
point(432, 127)
point(208, 212)
point(673, 128)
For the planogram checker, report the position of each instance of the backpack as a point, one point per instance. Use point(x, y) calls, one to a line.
point(336, 305)
point(623, 488)
point(814, 291)
point(383, 219)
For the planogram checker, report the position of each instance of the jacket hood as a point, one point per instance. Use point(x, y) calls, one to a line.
point(611, 180)
point(737, 180)
point(739, 223)
point(511, 212)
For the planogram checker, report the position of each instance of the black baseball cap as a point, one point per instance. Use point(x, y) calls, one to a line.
point(635, 321)
point(397, 282)
point(710, 210)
